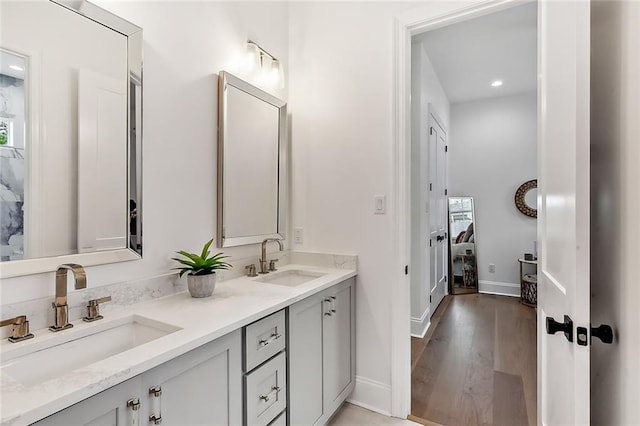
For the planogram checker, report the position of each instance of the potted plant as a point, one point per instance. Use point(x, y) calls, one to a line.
point(201, 270)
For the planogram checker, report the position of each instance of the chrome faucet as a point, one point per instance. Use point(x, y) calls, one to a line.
point(60, 306)
point(263, 259)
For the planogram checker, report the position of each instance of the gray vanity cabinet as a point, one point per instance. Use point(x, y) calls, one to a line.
point(321, 354)
point(203, 386)
point(108, 408)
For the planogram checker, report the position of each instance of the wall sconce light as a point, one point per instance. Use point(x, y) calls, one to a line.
point(269, 67)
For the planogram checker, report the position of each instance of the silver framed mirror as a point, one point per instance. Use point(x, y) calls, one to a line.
point(76, 195)
point(252, 163)
point(463, 265)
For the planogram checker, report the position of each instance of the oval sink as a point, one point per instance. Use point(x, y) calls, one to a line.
point(79, 347)
point(291, 278)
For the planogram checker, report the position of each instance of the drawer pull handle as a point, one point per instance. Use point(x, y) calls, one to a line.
point(266, 398)
point(155, 420)
point(274, 336)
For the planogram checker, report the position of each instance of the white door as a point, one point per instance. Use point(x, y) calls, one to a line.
point(563, 221)
point(103, 206)
point(438, 213)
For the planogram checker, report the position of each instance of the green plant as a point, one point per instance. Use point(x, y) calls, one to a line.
point(194, 264)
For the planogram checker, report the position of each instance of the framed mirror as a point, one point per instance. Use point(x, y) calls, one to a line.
point(70, 136)
point(462, 246)
point(252, 163)
point(526, 198)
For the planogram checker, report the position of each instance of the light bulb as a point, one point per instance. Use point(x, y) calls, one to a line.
point(496, 83)
point(252, 57)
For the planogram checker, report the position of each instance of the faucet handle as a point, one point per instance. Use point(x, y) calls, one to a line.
point(272, 265)
point(93, 309)
point(19, 330)
point(251, 270)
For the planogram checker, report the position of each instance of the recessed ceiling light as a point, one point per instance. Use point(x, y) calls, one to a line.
point(496, 83)
point(16, 68)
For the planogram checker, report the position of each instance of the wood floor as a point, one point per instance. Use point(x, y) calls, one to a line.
point(477, 363)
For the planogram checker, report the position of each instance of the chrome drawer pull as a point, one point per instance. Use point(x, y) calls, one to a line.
point(266, 398)
point(155, 420)
point(274, 336)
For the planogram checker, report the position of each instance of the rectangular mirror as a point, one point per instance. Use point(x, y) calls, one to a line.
point(251, 163)
point(464, 269)
point(70, 136)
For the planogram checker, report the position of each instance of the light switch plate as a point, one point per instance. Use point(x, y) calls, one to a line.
point(380, 204)
point(297, 236)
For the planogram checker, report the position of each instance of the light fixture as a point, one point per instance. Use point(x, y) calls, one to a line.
point(16, 68)
point(270, 67)
point(496, 83)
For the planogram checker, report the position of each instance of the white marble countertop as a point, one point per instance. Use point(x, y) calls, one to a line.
point(234, 304)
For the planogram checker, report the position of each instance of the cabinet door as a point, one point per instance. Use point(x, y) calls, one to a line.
point(305, 360)
point(108, 408)
point(338, 346)
point(201, 387)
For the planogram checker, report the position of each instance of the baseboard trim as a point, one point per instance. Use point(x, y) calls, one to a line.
point(372, 395)
point(499, 288)
point(419, 326)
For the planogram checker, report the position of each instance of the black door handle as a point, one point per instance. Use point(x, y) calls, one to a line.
point(603, 332)
point(554, 326)
point(440, 238)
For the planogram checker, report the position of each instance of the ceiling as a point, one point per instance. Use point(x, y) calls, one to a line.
point(7, 60)
point(470, 55)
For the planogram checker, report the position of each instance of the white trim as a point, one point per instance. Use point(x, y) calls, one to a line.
point(410, 22)
point(419, 326)
point(499, 288)
point(372, 395)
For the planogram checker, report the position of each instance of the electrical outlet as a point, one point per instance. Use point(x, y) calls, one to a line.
point(297, 236)
point(492, 267)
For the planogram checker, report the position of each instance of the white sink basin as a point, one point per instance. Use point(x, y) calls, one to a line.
point(79, 347)
point(291, 278)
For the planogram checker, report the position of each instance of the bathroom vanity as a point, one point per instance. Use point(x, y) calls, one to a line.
point(260, 351)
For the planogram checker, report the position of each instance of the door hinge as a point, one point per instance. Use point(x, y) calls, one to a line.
point(406, 269)
point(430, 242)
point(430, 130)
point(446, 191)
point(446, 148)
point(429, 299)
point(430, 187)
point(445, 279)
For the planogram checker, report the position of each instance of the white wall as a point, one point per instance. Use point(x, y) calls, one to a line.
point(425, 89)
point(185, 45)
point(492, 151)
point(341, 100)
point(615, 228)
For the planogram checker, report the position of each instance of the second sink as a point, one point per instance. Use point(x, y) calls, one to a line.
point(291, 278)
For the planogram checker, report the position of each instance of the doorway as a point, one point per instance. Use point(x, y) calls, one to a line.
point(474, 126)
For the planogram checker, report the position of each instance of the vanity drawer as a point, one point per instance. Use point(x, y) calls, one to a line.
point(266, 392)
point(281, 420)
point(263, 339)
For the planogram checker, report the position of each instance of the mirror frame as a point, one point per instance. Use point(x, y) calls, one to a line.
point(520, 198)
point(226, 79)
point(133, 33)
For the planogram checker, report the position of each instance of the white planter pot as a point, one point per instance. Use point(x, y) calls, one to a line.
point(201, 285)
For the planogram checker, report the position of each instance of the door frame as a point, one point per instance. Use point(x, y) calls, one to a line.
point(414, 21)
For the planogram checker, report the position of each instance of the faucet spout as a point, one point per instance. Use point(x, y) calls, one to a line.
point(263, 258)
point(60, 305)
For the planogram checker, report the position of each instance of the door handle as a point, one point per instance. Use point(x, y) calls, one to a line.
point(554, 326)
point(603, 332)
point(440, 238)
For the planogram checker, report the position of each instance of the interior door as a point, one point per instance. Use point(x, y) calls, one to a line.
point(438, 216)
point(563, 227)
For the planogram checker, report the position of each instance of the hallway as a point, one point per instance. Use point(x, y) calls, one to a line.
point(477, 363)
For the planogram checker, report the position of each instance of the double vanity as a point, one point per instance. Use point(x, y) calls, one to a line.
point(274, 349)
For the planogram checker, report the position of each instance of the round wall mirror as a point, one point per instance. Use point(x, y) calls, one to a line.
point(526, 198)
